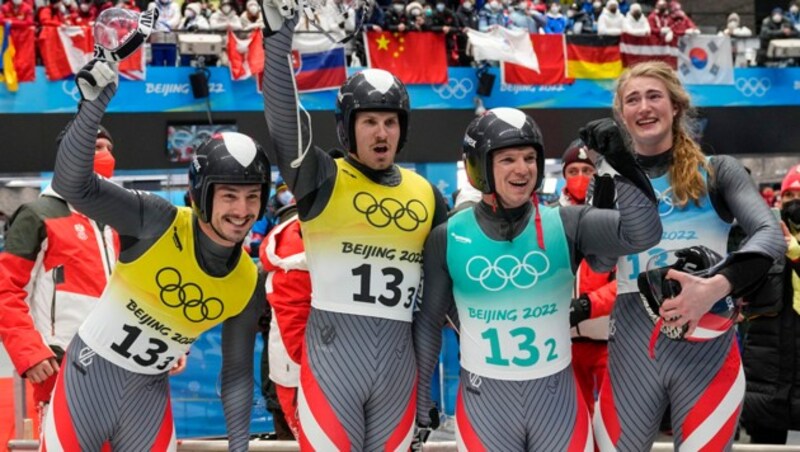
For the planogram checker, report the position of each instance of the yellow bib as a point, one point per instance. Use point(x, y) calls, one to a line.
point(364, 250)
point(155, 307)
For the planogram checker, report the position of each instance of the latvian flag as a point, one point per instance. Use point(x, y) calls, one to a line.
point(319, 64)
point(636, 49)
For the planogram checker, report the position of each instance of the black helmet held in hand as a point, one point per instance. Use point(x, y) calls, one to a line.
point(370, 90)
point(227, 158)
point(496, 129)
point(655, 288)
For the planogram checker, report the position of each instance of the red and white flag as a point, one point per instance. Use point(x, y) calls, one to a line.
point(134, 67)
point(65, 50)
point(637, 49)
point(246, 56)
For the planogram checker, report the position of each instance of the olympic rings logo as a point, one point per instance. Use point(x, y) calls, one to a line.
point(407, 217)
point(752, 86)
point(495, 276)
point(71, 89)
point(665, 206)
point(454, 88)
point(175, 294)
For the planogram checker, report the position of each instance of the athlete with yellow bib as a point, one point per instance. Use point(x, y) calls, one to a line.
point(180, 272)
point(364, 221)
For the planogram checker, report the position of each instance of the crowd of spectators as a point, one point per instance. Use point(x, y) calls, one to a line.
point(610, 17)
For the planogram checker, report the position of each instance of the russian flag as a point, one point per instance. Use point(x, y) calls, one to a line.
point(319, 64)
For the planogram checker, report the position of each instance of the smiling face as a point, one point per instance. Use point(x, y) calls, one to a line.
point(234, 210)
point(377, 136)
point(648, 114)
point(514, 171)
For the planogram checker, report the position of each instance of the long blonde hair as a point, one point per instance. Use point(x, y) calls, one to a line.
point(686, 181)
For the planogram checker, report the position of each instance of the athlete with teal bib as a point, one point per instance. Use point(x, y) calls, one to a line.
point(508, 265)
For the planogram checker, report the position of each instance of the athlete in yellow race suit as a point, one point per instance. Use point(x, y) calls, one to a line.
point(180, 272)
point(364, 222)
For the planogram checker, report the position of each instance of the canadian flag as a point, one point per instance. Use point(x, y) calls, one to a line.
point(65, 50)
point(246, 55)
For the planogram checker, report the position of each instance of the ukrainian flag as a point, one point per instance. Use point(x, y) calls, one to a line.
point(8, 73)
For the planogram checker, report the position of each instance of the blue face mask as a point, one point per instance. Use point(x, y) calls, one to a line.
point(440, 7)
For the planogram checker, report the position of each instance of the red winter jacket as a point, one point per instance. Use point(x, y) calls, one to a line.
point(53, 270)
point(289, 295)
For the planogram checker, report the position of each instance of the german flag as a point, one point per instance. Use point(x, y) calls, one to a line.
point(593, 56)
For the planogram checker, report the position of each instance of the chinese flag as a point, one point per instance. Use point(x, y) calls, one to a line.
point(413, 57)
point(552, 55)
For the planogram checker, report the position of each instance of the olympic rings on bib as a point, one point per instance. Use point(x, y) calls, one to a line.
point(190, 296)
point(495, 276)
point(381, 213)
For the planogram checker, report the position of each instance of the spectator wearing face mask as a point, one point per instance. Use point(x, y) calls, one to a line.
point(611, 20)
point(771, 354)
point(593, 293)
point(19, 13)
point(519, 17)
point(169, 14)
point(776, 26)
point(681, 24)
point(556, 23)
point(419, 16)
point(492, 14)
point(396, 18)
point(86, 14)
point(661, 21)
point(52, 15)
point(735, 29)
point(578, 20)
point(193, 19)
point(635, 22)
point(163, 46)
point(225, 18)
point(251, 18)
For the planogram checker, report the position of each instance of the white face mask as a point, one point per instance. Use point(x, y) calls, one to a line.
point(467, 6)
point(494, 5)
point(794, 9)
point(777, 18)
point(17, 2)
point(252, 9)
point(226, 9)
point(555, 10)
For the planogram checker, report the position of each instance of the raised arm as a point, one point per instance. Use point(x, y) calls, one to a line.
point(74, 178)
point(238, 344)
point(283, 118)
point(437, 300)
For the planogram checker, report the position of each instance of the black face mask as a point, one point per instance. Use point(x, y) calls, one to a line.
point(790, 212)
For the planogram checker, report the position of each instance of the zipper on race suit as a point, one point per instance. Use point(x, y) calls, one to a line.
point(58, 278)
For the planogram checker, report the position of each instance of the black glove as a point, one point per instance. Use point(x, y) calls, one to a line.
point(422, 432)
point(605, 137)
point(579, 310)
point(604, 193)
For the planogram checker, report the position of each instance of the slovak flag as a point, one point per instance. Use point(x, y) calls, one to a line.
point(319, 64)
point(65, 50)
